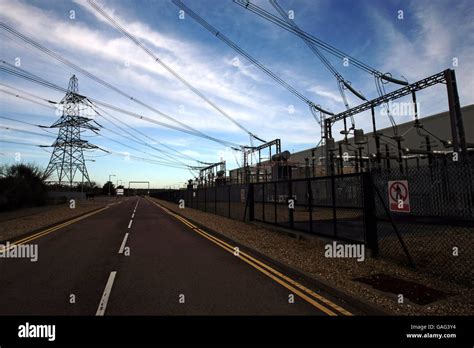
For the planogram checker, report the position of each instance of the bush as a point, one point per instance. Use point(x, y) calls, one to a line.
point(108, 188)
point(21, 185)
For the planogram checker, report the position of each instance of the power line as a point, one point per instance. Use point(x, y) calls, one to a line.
point(132, 138)
point(25, 131)
point(19, 143)
point(94, 108)
point(112, 152)
point(167, 163)
point(124, 32)
point(32, 124)
point(63, 60)
point(51, 136)
point(320, 43)
point(341, 82)
point(103, 113)
point(109, 151)
point(239, 50)
point(24, 122)
point(138, 150)
point(16, 71)
point(23, 97)
point(150, 161)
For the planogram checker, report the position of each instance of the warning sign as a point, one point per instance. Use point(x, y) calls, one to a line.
point(398, 196)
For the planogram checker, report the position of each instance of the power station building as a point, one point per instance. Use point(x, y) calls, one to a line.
point(417, 143)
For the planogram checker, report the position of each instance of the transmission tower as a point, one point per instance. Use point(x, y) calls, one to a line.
point(67, 158)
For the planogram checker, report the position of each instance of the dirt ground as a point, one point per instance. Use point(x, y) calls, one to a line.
point(18, 222)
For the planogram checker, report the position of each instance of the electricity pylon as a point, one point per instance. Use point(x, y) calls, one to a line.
point(67, 158)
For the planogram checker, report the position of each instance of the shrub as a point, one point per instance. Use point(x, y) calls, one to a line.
point(21, 185)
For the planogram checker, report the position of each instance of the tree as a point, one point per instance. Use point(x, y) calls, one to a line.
point(85, 187)
point(108, 188)
point(22, 185)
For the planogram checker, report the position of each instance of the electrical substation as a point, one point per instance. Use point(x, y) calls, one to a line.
point(379, 172)
point(343, 187)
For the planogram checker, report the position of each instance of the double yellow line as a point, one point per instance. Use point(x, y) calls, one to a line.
point(51, 229)
point(318, 301)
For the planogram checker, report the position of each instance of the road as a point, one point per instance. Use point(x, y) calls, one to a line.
point(137, 258)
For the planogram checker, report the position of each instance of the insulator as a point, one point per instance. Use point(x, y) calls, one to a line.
point(359, 137)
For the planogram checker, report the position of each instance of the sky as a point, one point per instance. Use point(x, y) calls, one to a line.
point(409, 39)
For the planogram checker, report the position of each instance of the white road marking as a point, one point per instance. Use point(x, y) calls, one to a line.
point(135, 209)
point(123, 243)
point(130, 223)
point(106, 294)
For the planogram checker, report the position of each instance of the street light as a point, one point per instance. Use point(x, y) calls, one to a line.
point(110, 182)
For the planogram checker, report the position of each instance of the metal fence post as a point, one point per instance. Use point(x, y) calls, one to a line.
point(333, 201)
point(251, 203)
point(291, 211)
point(228, 199)
point(275, 200)
point(309, 195)
point(370, 215)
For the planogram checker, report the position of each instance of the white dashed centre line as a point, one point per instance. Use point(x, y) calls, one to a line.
point(133, 214)
point(123, 243)
point(106, 294)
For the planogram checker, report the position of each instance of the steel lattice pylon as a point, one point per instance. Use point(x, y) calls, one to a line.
point(67, 158)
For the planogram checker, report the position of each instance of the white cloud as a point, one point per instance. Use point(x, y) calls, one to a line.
point(257, 110)
point(431, 47)
point(143, 72)
point(246, 69)
point(326, 93)
point(256, 101)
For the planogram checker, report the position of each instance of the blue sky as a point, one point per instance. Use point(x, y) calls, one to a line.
point(424, 42)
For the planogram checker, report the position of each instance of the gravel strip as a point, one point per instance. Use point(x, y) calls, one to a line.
point(19, 222)
point(307, 255)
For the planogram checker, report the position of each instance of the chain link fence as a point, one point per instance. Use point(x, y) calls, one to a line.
point(327, 206)
point(435, 236)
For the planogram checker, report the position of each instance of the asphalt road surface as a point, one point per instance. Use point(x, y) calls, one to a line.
point(136, 258)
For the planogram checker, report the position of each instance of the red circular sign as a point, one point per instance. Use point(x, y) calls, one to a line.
point(398, 191)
